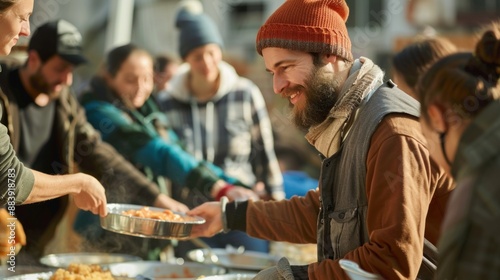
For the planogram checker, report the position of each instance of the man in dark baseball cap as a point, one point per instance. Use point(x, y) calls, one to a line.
point(58, 37)
point(38, 107)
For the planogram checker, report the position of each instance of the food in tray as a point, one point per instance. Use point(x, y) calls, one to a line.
point(82, 272)
point(149, 222)
point(156, 270)
point(165, 215)
point(186, 273)
point(96, 272)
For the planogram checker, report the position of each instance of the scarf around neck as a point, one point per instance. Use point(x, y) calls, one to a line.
point(327, 136)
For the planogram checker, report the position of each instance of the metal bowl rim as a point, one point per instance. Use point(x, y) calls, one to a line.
point(232, 265)
point(126, 257)
point(154, 265)
point(31, 276)
point(112, 206)
point(156, 236)
point(232, 276)
point(135, 226)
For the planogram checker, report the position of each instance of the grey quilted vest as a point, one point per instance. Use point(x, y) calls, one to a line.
point(342, 218)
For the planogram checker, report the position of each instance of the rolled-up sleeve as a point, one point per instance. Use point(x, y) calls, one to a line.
point(16, 181)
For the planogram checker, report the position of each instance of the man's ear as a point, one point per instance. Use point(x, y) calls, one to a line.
point(437, 118)
point(33, 61)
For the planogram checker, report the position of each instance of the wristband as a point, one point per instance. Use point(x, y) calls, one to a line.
point(223, 202)
point(223, 191)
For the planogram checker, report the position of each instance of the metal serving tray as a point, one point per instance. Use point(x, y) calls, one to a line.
point(47, 275)
point(248, 261)
point(144, 227)
point(102, 259)
point(24, 269)
point(164, 271)
point(236, 276)
point(31, 276)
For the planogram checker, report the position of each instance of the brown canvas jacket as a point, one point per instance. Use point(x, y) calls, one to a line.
point(406, 195)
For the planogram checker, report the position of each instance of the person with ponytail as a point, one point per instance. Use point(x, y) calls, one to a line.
point(460, 108)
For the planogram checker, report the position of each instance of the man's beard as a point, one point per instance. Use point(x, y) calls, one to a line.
point(321, 93)
point(39, 83)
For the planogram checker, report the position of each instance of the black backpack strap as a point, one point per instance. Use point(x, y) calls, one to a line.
point(429, 262)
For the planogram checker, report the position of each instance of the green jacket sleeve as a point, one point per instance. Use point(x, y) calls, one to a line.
point(123, 182)
point(16, 181)
point(145, 147)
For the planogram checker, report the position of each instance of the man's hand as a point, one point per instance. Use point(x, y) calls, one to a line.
point(8, 224)
point(91, 196)
point(211, 212)
point(163, 201)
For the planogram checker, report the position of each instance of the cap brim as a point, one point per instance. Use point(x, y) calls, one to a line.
point(74, 59)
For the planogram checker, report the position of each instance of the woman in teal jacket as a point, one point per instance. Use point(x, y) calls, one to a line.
point(119, 104)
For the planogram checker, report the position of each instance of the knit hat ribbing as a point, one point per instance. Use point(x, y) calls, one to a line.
point(316, 26)
point(196, 29)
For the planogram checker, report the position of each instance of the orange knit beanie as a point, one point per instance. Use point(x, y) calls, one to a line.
point(316, 26)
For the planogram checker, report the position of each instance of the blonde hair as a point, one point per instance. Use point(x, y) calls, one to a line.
point(6, 4)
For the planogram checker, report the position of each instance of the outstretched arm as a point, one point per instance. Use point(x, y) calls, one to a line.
point(87, 192)
point(21, 185)
point(145, 147)
point(16, 181)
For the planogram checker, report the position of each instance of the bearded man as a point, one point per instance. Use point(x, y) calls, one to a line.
point(380, 195)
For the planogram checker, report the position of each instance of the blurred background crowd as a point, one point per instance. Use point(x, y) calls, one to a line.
point(378, 29)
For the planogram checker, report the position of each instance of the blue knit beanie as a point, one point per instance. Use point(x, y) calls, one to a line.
point(195, 28)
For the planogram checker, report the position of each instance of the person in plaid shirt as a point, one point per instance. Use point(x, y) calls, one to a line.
point(460, 104)
point(219, 116)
